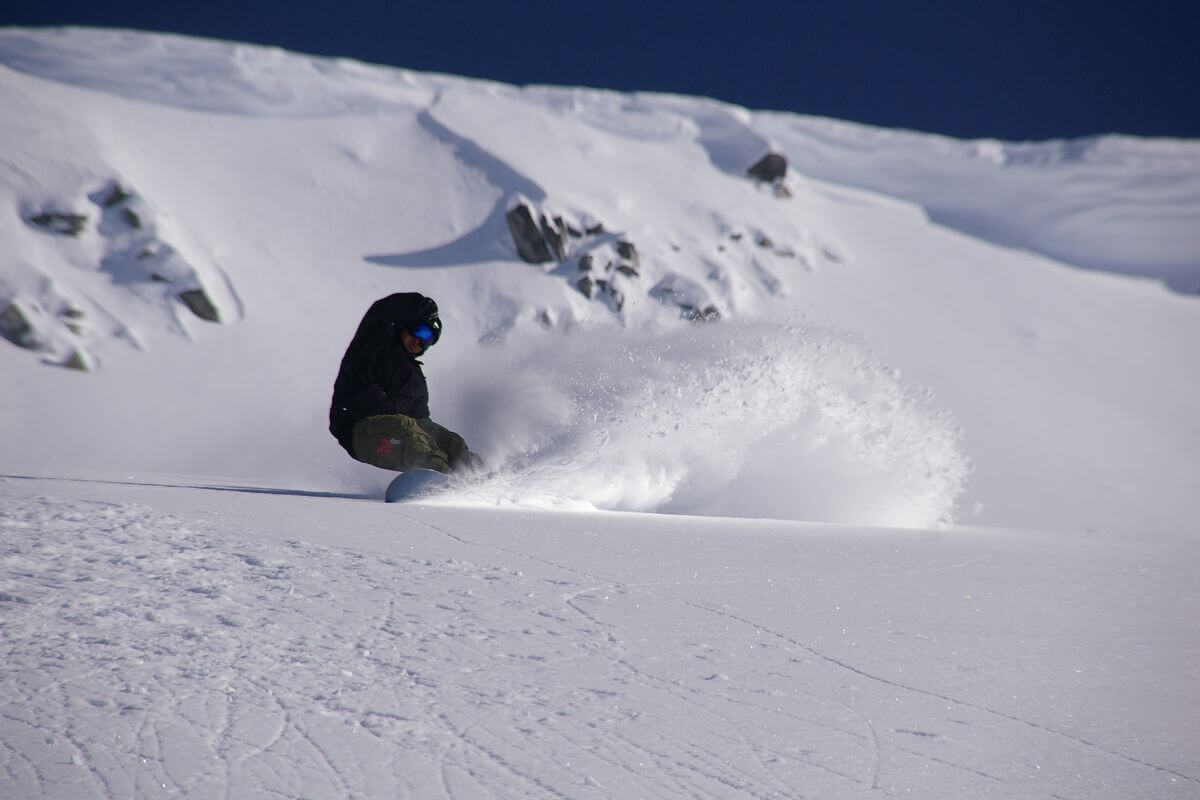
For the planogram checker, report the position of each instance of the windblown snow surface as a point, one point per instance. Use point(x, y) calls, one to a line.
point(913, 513)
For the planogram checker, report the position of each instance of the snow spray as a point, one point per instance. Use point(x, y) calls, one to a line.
point(731, 419)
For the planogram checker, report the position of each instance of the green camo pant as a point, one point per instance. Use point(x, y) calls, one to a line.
point(398, 442)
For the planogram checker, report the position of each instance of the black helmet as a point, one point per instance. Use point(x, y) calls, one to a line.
point(425, 316)
point(427, 312)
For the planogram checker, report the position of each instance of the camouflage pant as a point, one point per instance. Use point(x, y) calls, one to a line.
point(398, 442)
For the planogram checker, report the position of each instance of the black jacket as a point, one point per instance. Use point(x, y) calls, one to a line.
point(378, 375)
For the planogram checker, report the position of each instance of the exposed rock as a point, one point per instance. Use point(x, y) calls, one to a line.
point(200, 305)
point(627, 251)
point(603, 290)
point(73, 317)
point(111, 195)
point(60, 223)
point(121, 210)
point(539, 238)
point(768, 169)
point(556, 237)
point(125, 237)
point(124, 214)
point(690, 297)
point(134, 251)
point(611, 295)
point(80, 360)
point(17, 325)
point(603, 268)
point(527, 235)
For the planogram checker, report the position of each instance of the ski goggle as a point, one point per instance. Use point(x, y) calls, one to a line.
point(423, 333)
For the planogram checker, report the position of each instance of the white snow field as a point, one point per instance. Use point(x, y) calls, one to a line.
point(211, 643)
point(878, 478)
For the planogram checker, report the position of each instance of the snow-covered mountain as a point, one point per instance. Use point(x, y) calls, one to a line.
point(653, 303)
point(280, 194)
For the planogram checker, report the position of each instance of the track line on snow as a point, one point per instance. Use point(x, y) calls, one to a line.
point(33, 769)
point(510, 551)
point(946, 698)
point(493, 757)
point(951, 764)
point(613, 586)
point(689, 697)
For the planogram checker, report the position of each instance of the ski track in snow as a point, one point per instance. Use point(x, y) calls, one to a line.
point(147, 655)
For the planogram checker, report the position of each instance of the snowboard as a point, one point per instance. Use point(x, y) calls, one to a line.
point(415, 484)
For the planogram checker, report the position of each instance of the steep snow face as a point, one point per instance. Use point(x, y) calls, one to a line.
point(201, 225)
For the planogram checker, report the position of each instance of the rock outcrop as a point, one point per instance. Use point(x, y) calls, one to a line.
point(137, 253)
point(59, 222)
point(25, 323)
point(527, 234)
point(199, 304)
point(770, 168)
point(604, 263)
point(692, 299)
point(540, 238)
point(608, 269)
point(121, 237)
point(19, 324)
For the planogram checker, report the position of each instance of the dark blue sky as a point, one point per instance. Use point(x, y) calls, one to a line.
point(1014, 70)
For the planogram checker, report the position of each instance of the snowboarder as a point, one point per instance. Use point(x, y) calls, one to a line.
point(380, 409)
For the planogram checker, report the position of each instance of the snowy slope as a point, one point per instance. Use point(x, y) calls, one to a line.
point(991, 454)
point(1112, 203)
point(293, 191)
point(205, 643)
